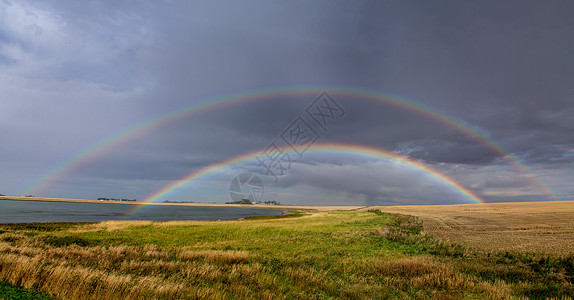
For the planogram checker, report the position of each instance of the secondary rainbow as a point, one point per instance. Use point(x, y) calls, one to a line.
point(115, 140)
point(360, 150)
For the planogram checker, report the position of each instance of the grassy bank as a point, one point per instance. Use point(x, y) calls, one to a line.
point(314, 256)
point(9, 291)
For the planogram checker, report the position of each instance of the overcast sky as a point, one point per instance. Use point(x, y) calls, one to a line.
point(74, 73)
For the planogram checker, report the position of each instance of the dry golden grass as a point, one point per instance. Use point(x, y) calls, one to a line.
point(120, 272)
point(542, 227)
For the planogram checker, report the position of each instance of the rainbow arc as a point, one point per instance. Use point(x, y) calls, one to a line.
point(90, 153)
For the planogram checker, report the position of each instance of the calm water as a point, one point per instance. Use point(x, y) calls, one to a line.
point(38, 211)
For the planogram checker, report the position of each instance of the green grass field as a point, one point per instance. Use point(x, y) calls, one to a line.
point(8, 291)
point(323, 255)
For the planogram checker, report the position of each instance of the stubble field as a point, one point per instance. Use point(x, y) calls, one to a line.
point(541, 227)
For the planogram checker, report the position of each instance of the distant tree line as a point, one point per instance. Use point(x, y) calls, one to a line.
point(171, 201)
point(115, 199)
point(247, 201)
point(271, 202)
point(242, 201)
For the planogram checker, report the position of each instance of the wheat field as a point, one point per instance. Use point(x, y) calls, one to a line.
point(541, 227)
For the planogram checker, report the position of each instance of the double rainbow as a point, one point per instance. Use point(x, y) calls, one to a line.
point(115, 140)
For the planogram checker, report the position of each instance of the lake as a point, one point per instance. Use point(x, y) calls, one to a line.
point(40, 211)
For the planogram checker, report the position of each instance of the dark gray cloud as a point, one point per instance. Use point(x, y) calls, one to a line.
point(73, 74)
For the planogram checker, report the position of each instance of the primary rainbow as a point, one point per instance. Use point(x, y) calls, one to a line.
point(115, 140)
point(360, 150)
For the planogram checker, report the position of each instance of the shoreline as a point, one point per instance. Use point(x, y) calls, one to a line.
point(309, 208)
point(259, 206)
